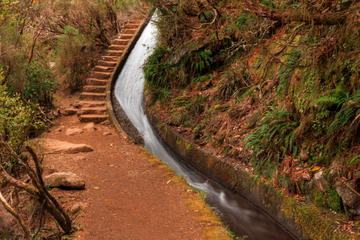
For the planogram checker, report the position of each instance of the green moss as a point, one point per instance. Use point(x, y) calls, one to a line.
point(329, 199)
point(178, 117)
point(311, 221)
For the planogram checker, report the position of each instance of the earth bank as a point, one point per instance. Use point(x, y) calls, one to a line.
point(270, 86)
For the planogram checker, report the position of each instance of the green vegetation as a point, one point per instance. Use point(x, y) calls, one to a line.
point(273, 139)
point(19, 120)
point(72, 56)
point(43, 44)
point(329, 199)
point(280, 83)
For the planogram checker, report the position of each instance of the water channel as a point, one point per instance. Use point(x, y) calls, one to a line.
point(242, 216)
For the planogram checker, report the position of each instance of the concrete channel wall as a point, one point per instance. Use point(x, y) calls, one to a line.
point(117, 116)
point(302, 220)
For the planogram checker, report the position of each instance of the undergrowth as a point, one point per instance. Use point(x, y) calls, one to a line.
point(276, 90)
point(273, 139)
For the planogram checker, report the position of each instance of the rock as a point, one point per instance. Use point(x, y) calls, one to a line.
point(7, 221)
point(90, 127)
point(107, 133)
point(77, 207)
point(65, 180)
point(320, 181)
point(348, 197)
point(56, 146)
point(69, 111)
point(73, 131)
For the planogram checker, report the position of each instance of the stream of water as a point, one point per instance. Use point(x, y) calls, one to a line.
point(242, 217)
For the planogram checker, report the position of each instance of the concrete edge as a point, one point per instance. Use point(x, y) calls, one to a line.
point(118, 117)
point(301, 220)
point(284, 210)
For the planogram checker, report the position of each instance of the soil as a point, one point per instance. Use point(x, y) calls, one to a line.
point(129, 194)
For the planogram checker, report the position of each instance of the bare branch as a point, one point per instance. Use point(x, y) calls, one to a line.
point(16, 215)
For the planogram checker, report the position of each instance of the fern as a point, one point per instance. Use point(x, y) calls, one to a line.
point(336, 98)
point(273, 138)
point(200, 62)
point(157, 70)
point(342, 118)
point(345, 119)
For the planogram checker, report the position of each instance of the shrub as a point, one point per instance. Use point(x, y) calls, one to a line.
point(39, 84)
point(18, 121)
point(72, 57)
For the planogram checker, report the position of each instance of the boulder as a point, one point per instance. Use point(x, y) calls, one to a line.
point(7, 221)
point(73, 131)
point(66, 180)
point(348, 197)
point(320, 181)
point(56, 146)
point(90, 127)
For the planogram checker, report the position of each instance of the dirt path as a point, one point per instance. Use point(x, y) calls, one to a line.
point(129, 194)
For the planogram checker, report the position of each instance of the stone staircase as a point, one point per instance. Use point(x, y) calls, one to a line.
point(92, 104)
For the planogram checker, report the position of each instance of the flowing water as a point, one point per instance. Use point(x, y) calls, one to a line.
point(242, 217)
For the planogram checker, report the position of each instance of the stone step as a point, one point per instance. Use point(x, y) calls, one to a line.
point(110, 58)
point(103, 63)
point(132, 26)
point(126, 36)
point(129, 31)
point(92, 110)
point(88, 104)
point(96, 118)
point(117, 47)
point(92, 96)
point(97, 82)
point(136, 21)
point(121, 42)
point(100, 75)
point(95, 88)
point(99, 68)
point(114, 53)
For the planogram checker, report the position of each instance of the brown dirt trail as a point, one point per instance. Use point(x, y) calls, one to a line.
point(129, 194)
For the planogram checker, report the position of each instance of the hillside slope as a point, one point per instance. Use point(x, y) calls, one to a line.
point(273, 85)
